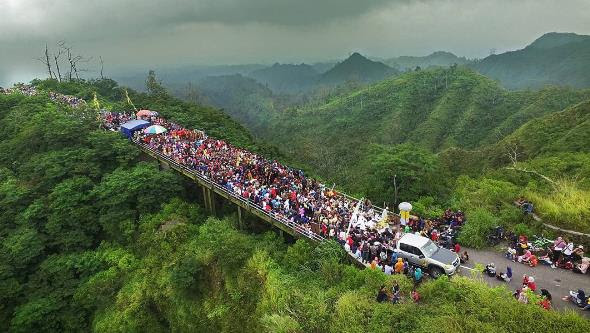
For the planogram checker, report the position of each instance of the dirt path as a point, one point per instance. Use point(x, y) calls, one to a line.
point(557, 281)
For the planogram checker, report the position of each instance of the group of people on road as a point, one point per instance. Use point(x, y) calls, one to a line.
point(560, 253)
point(31, 90)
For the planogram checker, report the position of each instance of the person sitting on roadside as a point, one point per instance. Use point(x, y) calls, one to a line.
point(558, 246)
point(545, 303)
point(582, 267)
point(529, 282)
point(578, 253)
point(506, 277)
point(533, 261)
point(464, 257)
point(545, 260)
point(578, 298)
point(490, 269)
point(457, 248)
point(511, 254)
point(525, 258)
point(523, 245)
point(521, 295)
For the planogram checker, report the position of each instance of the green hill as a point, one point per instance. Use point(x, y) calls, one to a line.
point(439, 58)
point(553, 59)
point(356, 68)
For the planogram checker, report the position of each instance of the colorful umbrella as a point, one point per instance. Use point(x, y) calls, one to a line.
point(144, 113)
point(155, 129)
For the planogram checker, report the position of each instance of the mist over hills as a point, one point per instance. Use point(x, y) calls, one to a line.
point(287, 77)
point(553, 59)
point(438, 58)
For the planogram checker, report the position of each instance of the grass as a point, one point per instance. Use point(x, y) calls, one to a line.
point(567, 206)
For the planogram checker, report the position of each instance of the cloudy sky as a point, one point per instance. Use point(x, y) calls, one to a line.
point(155, 33)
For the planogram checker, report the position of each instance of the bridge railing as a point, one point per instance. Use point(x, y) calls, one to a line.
point(290, 224)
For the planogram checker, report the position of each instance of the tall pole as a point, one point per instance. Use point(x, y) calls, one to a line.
point(394, 191)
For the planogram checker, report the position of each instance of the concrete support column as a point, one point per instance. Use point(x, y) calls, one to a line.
point(240, 221)
point(206, 198)
point(211, 201)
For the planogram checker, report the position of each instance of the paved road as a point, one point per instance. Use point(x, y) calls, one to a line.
point(557, 281)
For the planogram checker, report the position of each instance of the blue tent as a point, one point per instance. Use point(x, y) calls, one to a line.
point(134, 125)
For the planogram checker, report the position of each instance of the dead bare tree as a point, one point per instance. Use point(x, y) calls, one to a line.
point(45, 60)
point(56, 58)
point(81, 59)
point(513, 154)
point(101, 67)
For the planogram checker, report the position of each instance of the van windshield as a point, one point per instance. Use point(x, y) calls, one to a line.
point(429, 249)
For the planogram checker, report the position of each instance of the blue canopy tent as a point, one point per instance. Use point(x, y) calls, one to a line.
point(134, 125)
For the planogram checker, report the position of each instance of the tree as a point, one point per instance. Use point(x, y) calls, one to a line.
point(153, 85)
point(124, 195)
point(414, 169)
point(45, 61)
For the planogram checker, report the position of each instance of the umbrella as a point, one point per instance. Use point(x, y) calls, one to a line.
point(155, 129)
point(144, 113)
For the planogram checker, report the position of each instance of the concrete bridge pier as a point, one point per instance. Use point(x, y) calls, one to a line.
point(209, 199)
point(240, 219)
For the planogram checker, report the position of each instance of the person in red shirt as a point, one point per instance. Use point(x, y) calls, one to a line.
point(415, 295)
point(531, 283)
point(457, 248)
point(434, 235)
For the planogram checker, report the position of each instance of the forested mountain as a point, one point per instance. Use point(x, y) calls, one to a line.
point(287, 77)
point(356, 68)
point(553, 59)
point(439, 58)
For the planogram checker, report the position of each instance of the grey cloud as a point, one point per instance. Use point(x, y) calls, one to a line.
point(154, 33)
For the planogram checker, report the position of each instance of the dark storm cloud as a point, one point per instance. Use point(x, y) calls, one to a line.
point(281, 12)
point(151, 33)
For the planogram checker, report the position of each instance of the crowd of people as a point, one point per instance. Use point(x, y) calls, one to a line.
point(25, 89)
point(30, 90)
point(561, 253)
point(72, 101)
point(369, 233)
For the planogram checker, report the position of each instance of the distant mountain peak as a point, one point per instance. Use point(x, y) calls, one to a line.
point(357, 67)
point(555, 39)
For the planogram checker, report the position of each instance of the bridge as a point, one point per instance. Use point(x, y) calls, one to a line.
point(211, 189)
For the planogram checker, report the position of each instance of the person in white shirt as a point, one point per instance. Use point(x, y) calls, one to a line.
point(388, 270)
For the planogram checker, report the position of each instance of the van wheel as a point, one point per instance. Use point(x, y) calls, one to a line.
point(436, 272)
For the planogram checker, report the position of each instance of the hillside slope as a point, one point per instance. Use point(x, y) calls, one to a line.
point(553, 59)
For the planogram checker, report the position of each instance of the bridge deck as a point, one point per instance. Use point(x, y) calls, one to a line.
point(290, 227)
